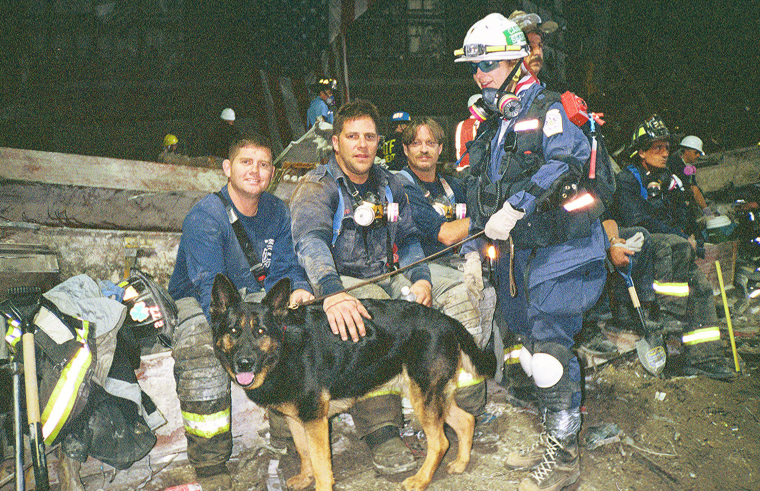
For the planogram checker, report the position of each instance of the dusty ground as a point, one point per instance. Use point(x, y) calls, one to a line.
point(702, 435)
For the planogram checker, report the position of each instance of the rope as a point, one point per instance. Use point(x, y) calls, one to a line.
point(391, 273)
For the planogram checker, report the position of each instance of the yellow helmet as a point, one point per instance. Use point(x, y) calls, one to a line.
point(170, 140)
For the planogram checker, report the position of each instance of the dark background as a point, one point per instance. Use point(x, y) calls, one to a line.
point(112, 77)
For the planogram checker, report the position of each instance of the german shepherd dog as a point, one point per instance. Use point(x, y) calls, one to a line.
point(289, 359)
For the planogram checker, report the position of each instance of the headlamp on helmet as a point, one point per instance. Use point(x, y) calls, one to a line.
point(494, 37)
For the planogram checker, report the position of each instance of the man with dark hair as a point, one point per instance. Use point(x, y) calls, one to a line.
point(211, 244)
point(351, 222)
point(645, 198)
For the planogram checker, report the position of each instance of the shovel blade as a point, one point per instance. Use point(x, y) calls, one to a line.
point(652, 354)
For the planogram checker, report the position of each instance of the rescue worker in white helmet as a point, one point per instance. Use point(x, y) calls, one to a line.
point(222, 135)
point(321, 107)
point(681, 163)
point(552, 247)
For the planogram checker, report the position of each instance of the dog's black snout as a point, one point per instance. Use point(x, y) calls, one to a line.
point(244, 365)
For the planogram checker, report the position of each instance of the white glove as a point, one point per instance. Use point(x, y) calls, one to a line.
point(634, 243)
point(502, 222)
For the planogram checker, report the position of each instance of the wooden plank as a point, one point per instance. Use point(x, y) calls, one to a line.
point(95, 208)
point(104, 172)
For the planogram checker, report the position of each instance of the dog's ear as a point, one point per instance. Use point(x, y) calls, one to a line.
point(278, 297)
point(223, 295)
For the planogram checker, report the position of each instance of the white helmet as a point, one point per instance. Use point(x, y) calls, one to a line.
point(228, 114)
point(494, 37)
point(693, 142)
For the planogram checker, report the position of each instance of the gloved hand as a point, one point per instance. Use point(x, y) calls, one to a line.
point(634, 243)
point(502, 222)
point(708, 212)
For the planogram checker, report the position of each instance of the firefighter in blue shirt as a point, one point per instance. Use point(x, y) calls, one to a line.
point(208, 246)
point(552, 246)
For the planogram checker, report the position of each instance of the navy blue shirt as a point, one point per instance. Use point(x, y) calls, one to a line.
point(427, 220)
point(209, 246)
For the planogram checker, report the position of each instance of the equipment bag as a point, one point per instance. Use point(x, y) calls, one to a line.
point(65, 357)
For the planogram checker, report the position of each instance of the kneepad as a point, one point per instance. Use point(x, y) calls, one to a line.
point(550, 372)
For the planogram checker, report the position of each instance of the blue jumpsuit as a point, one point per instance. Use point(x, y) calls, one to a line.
point(554, 284)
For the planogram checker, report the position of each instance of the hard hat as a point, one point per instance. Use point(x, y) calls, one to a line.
point(228, 114)
point(650, 130)
point(532, 22)
point(400, 117)
point(170, 140)
point(494, 37)
point(694, 143)
point(324, 84)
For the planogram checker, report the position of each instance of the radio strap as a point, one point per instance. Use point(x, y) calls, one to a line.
point(258, 269)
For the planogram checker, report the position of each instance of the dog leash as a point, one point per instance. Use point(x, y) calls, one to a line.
point(391, 273)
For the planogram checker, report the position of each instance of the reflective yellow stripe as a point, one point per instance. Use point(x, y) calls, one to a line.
point(466, 379)
point(64, 394)
point(512, 354)
point(207, 425)
point(671, 289)
point(703, 335)
point(381, 392)
point(13, 334)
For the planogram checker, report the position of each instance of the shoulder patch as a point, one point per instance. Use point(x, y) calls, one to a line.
point(552, 122)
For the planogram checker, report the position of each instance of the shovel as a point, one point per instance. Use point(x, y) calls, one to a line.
point(651, 347)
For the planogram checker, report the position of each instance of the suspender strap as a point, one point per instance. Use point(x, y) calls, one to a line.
point(258, 269)
point(412, 177)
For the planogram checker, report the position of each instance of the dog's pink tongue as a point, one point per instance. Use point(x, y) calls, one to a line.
point(244, 379)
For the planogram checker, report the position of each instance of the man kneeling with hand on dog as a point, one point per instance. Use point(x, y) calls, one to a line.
point(215, 234)
point(351, 222)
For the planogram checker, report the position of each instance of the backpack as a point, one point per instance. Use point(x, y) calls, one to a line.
point(598, 175)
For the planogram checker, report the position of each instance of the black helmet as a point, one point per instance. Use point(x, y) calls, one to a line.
point(151, 312)
point(653, 128)
point(324, 84)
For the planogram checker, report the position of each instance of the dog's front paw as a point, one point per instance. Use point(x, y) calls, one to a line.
point(415, 483)
point(456, 467)
point(301, 481)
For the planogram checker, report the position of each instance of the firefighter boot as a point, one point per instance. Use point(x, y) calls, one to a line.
point(703, 350)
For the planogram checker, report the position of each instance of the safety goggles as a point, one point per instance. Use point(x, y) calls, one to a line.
point(485, 66)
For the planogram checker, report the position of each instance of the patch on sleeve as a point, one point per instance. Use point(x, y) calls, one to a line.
point(552, 122)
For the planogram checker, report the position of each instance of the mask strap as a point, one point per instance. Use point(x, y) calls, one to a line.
point(508, 79)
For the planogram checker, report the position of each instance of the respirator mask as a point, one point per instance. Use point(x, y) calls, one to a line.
point(447, 210)
point(368, 210)
point(498, 101)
